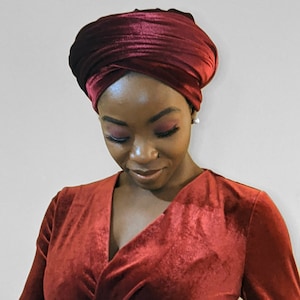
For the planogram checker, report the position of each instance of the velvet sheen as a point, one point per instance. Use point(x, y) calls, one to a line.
point(166, 45)
point(217, 239)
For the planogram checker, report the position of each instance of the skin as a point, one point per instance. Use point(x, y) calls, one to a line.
point(147, 126)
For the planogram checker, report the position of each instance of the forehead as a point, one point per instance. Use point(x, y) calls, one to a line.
point(139, 92)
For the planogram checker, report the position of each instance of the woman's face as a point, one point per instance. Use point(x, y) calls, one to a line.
point(147, 125)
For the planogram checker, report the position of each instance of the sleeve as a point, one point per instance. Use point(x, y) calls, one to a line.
point(270, 268)
point(33, 289)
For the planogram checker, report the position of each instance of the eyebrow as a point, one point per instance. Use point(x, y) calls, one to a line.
point(113, 120)
point(151, 120)
point(163, 113)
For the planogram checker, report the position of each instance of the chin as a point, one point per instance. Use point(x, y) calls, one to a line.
point(155, 186)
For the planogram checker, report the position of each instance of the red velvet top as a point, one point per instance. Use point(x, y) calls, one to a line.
point(218, 239)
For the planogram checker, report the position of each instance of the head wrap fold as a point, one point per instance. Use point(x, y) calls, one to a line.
point(166, 45)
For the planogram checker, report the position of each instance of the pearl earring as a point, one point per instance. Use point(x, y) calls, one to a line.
point(196, 121)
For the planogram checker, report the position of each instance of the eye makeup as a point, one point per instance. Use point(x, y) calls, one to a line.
point(166, 129)
point(117, 134)
point(121, 135)
point(116, 140)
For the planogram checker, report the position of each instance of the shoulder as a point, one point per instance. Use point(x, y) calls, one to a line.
point(231, 192)
point(243, 194)
point(231, 186)
point(76, 197)
point(238, 201)
point(87, 190)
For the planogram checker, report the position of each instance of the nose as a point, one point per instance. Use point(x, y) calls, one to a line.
point(143, 151)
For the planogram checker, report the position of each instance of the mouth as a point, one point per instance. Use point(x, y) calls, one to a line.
point(146, 175)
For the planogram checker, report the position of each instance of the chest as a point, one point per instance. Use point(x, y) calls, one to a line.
point(185, 251)
point(173, 255)
point(129, 217)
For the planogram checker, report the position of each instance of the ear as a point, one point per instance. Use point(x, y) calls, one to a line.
point(194, 114)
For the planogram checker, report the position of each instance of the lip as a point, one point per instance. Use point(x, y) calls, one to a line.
point(146, 175)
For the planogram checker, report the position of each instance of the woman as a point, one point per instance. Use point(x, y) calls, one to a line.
point(163, 227)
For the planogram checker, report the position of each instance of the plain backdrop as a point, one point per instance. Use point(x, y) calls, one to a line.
point(50, 136)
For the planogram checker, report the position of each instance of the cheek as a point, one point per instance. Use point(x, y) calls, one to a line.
point(118, 152)
point(178, 146)
point(179, 150)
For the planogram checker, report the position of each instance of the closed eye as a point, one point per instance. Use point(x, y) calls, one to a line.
point(167, 133)
point(117, 140)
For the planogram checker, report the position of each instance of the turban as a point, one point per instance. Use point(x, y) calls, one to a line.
point(166, 45)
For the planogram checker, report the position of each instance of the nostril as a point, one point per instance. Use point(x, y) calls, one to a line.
point(143, 154)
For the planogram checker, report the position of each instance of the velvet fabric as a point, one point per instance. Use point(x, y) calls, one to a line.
point(217, 239)
point(166, 45)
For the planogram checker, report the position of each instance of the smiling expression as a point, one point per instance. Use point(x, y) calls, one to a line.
point(147, 126)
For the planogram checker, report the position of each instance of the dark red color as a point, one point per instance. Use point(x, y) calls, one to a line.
point(218, 239)
point(166, 45)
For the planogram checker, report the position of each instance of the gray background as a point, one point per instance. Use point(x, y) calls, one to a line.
point(50, 136)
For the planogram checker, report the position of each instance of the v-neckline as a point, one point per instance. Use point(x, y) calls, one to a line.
point(146, 228)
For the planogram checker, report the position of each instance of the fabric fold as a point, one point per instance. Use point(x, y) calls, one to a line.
point(166, 45)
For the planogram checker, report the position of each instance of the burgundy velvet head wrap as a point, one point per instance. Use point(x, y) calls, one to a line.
point(166, 45)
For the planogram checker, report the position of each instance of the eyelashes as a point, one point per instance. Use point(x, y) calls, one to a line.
point(167, 133)
point(162, 134)
point(116, 139)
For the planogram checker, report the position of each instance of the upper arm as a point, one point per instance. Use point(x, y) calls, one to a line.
point(33, 289)
point(270, 269)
